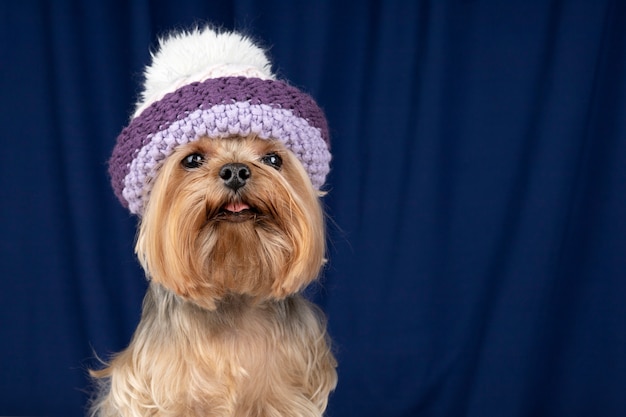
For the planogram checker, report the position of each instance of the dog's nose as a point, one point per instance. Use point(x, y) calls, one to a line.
point(235, 175)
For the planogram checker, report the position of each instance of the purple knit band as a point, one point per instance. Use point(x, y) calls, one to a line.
point(217, 108)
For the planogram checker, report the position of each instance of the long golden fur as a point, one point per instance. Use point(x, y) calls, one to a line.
point(224, 330)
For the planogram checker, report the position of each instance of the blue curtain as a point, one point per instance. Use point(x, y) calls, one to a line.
point(477, 199)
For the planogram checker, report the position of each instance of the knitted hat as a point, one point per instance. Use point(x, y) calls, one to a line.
point(206, 83)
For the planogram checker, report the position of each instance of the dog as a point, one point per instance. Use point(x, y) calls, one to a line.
point(231, 231)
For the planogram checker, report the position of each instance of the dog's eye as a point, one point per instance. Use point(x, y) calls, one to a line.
point(273, 160)
point(192, 161)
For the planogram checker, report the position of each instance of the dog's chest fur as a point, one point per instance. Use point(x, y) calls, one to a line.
point(244, 359)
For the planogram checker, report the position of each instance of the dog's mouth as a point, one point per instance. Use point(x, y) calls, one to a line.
point(236, 212)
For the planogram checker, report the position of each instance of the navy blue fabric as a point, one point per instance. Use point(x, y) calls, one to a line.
point(477, 199)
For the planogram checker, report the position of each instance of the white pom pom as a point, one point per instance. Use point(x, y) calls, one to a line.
point(186, 57)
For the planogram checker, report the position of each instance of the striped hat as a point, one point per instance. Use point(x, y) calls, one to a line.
point(207, 83)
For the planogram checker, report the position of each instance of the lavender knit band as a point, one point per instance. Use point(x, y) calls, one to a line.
point(217, 107)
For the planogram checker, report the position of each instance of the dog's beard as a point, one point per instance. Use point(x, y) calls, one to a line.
point(205, 240)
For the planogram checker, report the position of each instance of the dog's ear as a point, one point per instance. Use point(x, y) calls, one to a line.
point(166, 245)
point(306, 231)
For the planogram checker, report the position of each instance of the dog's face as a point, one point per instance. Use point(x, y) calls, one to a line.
point(232, 216)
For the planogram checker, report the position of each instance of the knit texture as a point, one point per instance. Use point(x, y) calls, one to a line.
point(217, 108)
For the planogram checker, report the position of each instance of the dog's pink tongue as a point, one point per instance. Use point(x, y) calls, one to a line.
point(236, 207)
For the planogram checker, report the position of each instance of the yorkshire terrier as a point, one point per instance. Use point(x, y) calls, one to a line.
point(231, 231)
